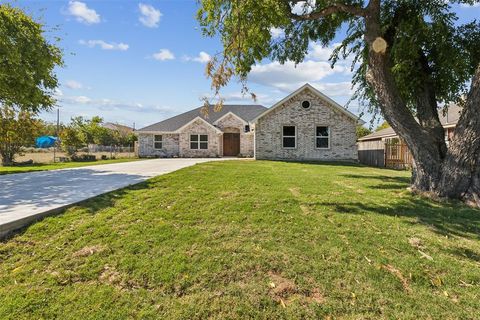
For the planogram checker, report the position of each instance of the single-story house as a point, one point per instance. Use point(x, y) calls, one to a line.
point(384, 148)
point(305, 125)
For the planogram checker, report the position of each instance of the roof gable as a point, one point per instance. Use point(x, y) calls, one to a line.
point(329, 102)
point(201, 120)
point(230, 113)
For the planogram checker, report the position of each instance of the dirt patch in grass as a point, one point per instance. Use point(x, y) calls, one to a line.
point(295, 192)
point(88, 251)
point(415, 242)
point(285, 291)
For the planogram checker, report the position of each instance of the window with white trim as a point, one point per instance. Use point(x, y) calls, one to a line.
point(199, 141)
point(289, 137)
point(322, 137)
point(158, 141)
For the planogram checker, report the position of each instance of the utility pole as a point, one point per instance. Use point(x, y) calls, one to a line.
point(56, 135)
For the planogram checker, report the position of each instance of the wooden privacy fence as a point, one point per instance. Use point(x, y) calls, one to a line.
point(372, 153)
point(397, 156)
point(389, 154)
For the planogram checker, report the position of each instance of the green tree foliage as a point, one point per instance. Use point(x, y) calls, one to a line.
point(382, 126)
point(362, 131)
point(17, 129)
point(27, 79)
point(416, 30)
point(49, 128)
point(81, 132)
point(71, 140)
point(27, 62)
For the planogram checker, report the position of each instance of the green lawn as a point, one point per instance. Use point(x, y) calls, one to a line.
point(54, 166)
point(249, 239)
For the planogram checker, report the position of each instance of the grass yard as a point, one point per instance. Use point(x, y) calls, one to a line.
point(58, 165)
point(249, 239)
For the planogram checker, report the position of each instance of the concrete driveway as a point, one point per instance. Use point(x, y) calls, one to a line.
point(27, 197)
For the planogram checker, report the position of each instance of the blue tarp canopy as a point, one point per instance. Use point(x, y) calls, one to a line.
point(45, 141)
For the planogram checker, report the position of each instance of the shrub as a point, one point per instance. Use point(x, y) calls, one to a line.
point(84, 158)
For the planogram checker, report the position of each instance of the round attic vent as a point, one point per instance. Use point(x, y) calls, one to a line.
point(306, 104)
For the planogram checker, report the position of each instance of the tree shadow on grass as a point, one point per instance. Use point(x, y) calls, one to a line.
point(451, 218)
point(381, 178)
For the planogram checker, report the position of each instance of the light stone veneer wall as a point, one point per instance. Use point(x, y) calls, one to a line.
point(233, 124)
point(169, 147)
point(200, 127)
point(268, 131)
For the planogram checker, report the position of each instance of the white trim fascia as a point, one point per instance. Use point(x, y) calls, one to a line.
point(377, 137)
point(318, 93)
point(179, 130)
point(230, 113)
point(154, 132)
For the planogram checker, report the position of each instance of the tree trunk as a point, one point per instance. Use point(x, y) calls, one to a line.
point(452, 173)
point(461, 167)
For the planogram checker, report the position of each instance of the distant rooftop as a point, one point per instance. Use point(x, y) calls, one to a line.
point(447, 119)
point(116, 126)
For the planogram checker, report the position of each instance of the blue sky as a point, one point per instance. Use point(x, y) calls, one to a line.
point(143, 61)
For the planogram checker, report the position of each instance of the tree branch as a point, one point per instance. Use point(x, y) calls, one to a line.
point(334, 8)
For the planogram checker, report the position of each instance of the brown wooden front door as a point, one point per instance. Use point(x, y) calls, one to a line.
point(231, 144)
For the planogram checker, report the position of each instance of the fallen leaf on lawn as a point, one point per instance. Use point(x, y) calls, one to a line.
point(464, 284)
point(437, 281)
point(426, 256)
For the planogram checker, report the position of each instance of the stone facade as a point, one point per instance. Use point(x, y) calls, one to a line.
point(146, 147)
point(200, 127)
point(268, 131)
point(233, 124)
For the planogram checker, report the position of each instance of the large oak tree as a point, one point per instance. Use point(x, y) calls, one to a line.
point(410, 58)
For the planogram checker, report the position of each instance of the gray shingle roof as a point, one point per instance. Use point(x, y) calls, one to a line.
point(246, 112)
point(449, 118)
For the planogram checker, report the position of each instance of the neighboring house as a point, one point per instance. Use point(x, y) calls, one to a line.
point(306, 125)
point(118, 127)
point(384, 148)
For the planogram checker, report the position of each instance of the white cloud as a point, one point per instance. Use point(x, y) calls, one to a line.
point(72, 84)
point(202, 57)
point(303, 7)
point(335, 89)
point(57, 93)
point(164, 54)
point(314, 69)
point(288, 76)
point(77, 99)
point(82, 12)
point(476, 5)
point(276, 33)
point(149, 16)
point(105, 45)
point(109, 104)
point(319, 52)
